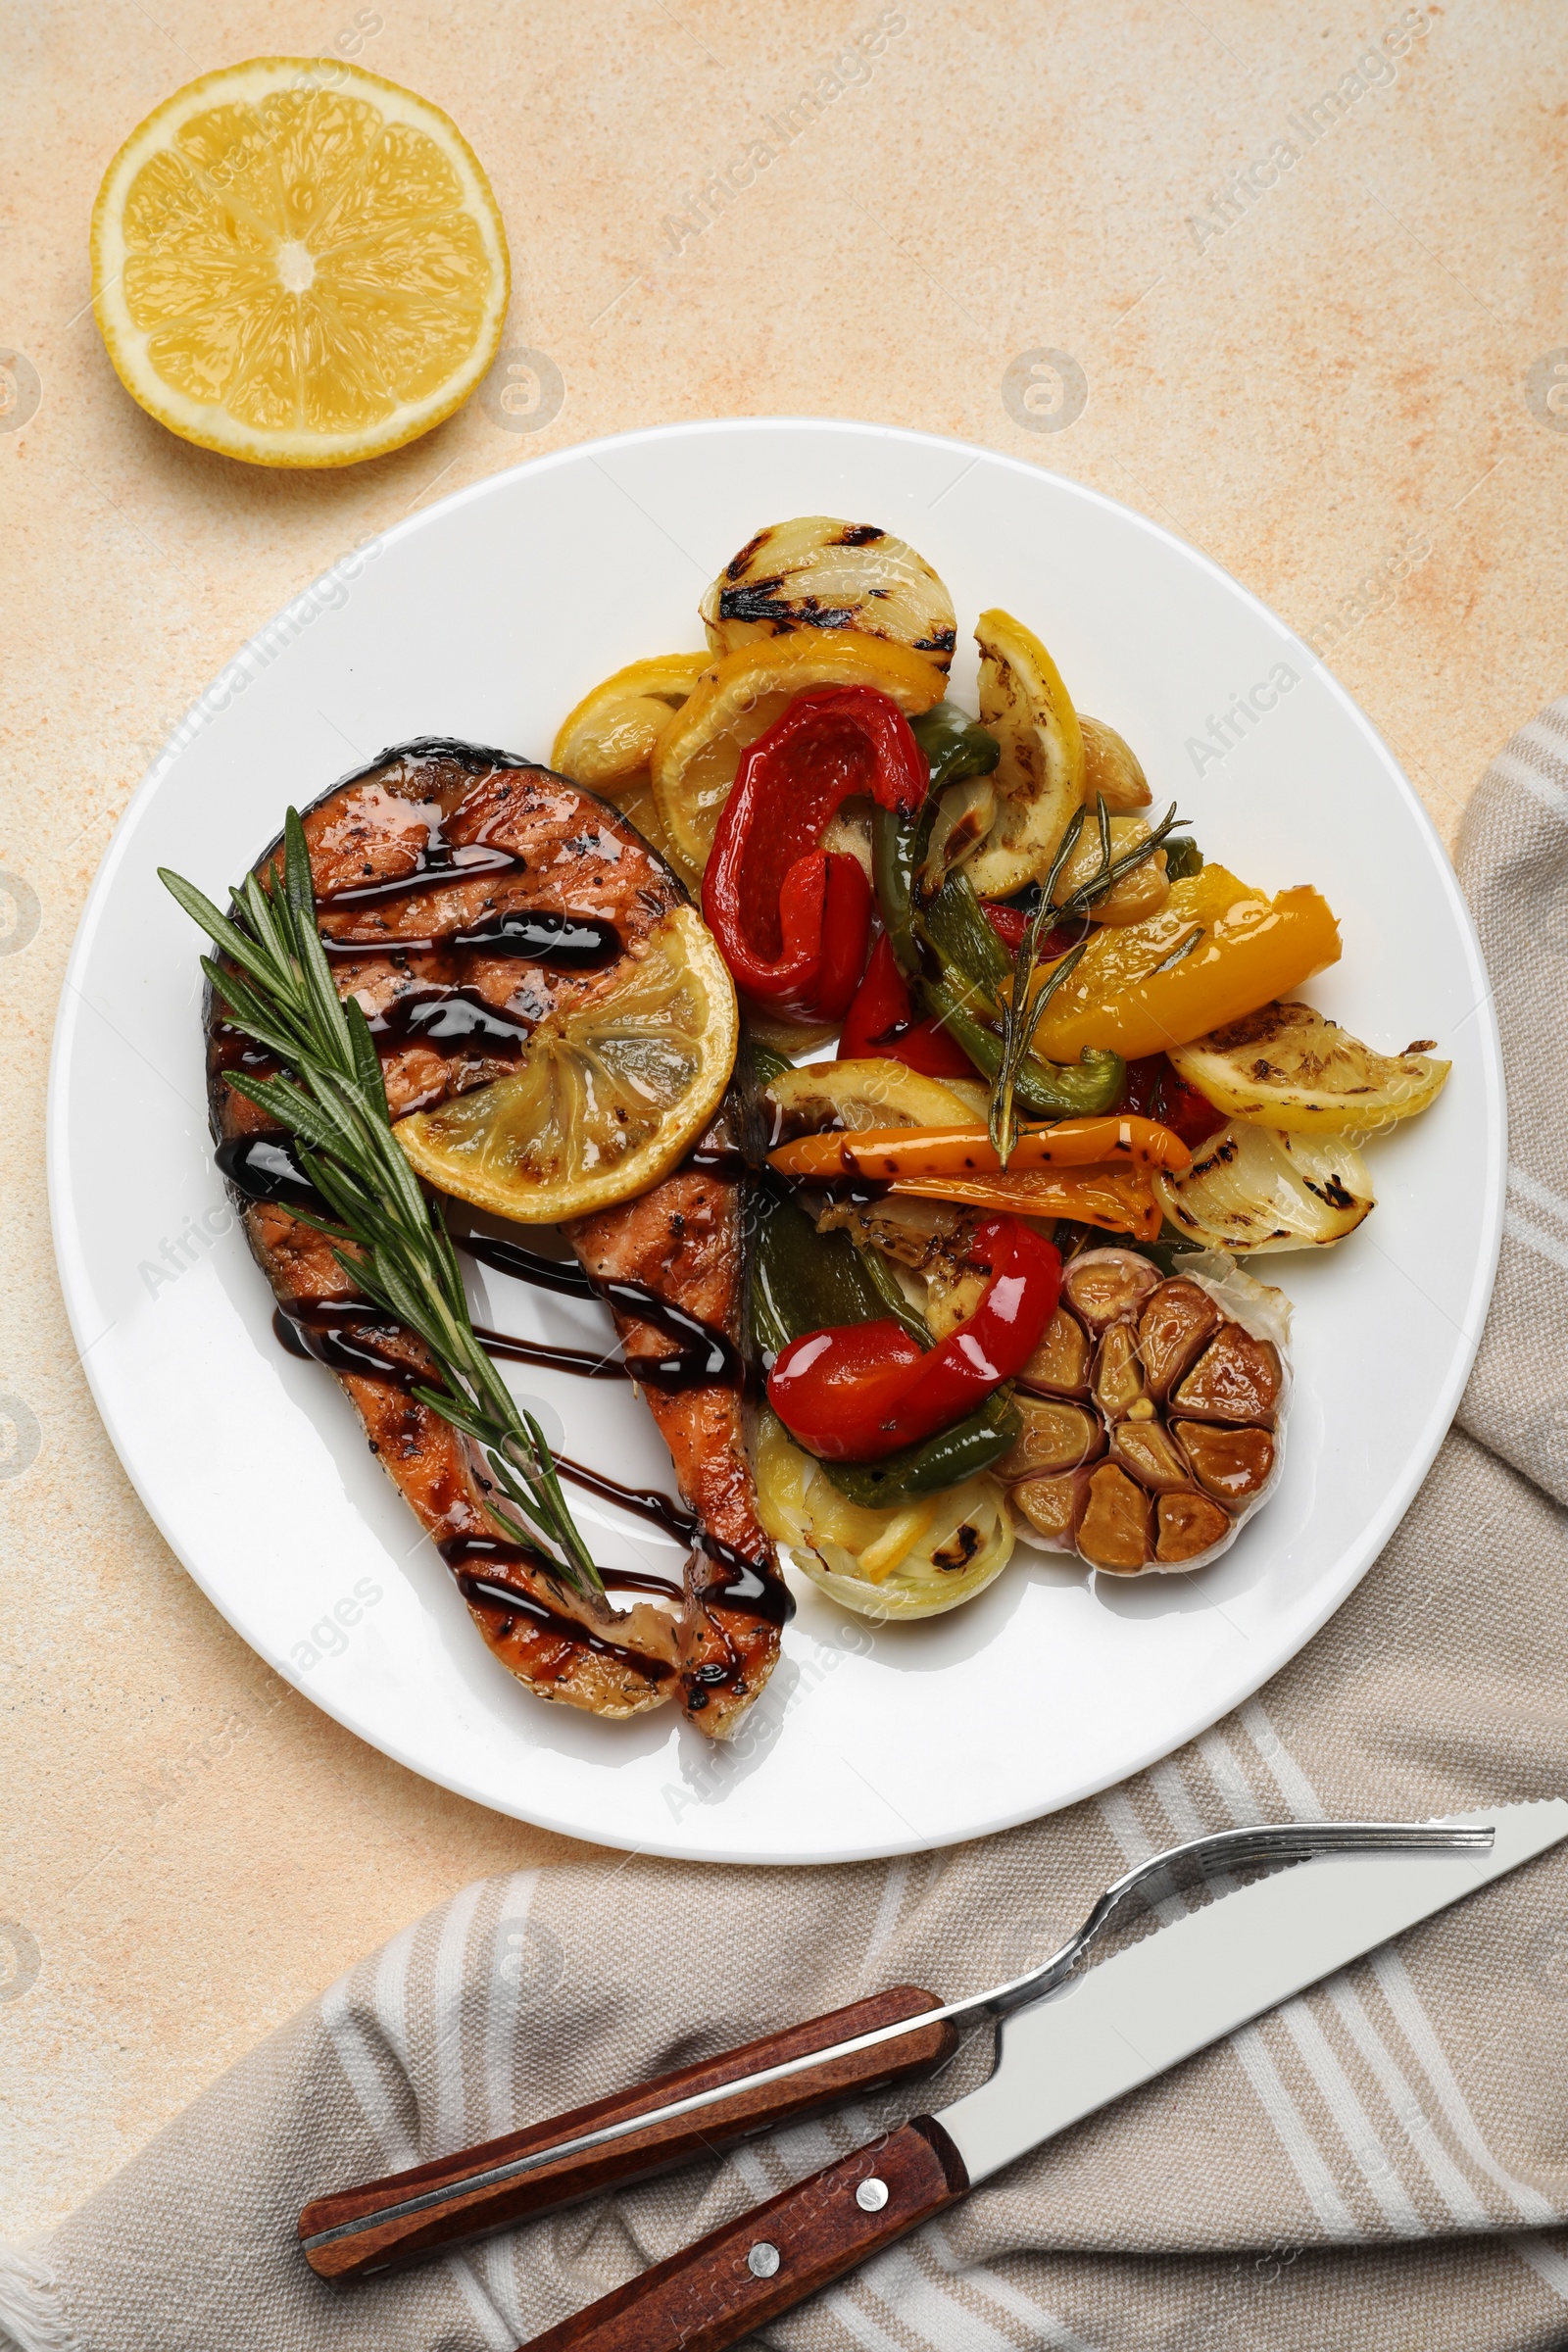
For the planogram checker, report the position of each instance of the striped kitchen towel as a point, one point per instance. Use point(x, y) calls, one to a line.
point(1382, 2163)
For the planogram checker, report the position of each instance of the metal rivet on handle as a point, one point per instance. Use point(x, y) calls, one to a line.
point(763, 2260)
point(871, 2195)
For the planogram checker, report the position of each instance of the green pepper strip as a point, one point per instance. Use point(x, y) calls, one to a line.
point(955, 746)
point(898, 852)
point(972, 963)
point(1183, 858)
point(945, 1460)
point(802, 1281)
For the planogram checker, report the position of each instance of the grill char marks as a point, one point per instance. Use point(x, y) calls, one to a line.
point(564, 851)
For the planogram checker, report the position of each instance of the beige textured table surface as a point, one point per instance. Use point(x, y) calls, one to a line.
point(1338, 377)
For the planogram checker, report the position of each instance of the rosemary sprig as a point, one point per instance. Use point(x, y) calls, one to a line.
point(1021, 1010)
point(334, 1099)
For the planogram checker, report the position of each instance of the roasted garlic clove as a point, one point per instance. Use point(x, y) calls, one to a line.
point(1052, 1505)
point(1138, 895)
point(1112, 770)
point(1059, 1365)
point(1055, 1438)
point(1231, 1464)
point(1119, 1375)
point(1188, 1525)
point(1145, 1452)
point(1171, 1331)
point(1113, 1532)
point(1237, 1378)
point(1103, 1285)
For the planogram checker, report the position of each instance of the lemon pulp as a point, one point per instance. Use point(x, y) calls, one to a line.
point(611, 1096)
point(297, 263)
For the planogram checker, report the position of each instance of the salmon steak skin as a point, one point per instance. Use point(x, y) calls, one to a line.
point(421, 862)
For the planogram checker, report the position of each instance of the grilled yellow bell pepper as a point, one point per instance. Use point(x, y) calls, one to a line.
point(1215, 950)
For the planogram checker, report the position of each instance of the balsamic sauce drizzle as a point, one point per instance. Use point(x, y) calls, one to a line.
point(528, 1265)
point(452, 1019)
point(440, 864)
point(493, 1592)
point(576, 943)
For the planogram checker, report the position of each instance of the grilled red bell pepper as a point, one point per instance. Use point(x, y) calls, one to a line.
point(859, 1391)
point(1157, 1091)
point(881, 1025)
point(792, 919)
point(1009, 924)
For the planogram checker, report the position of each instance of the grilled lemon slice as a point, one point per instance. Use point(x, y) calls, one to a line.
point(611, 1096)
point(1287, 1066)
point(297, 263)
point(864, 1094)
point(607, 741)
point(1038, 780)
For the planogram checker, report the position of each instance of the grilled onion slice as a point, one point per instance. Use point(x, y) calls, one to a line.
point(1257, 1188)
point(817, 573)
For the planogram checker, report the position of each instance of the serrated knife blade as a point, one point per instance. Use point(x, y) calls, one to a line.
point(1120, 2024)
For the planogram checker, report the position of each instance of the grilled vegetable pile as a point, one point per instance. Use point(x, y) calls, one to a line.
point(995, 1288)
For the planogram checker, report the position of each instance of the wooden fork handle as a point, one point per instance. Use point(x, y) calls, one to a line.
point(748, 2271)
point(359, 2230)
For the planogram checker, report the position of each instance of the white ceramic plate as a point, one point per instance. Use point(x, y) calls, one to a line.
point(487, 616)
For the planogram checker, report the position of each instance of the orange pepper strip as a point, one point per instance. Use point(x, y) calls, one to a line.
point(889, 1154)
point(1121, 1200)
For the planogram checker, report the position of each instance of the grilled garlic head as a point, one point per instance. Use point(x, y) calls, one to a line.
point(817, 573)
point(1152, 1413)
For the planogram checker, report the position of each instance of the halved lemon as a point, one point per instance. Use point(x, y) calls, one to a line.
point(607, 741)
point(611, 1097)
point(297, 263)
point(738, 698)
point(1287, 1066)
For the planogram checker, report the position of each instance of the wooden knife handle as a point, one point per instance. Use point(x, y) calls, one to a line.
point(374, 2239)
point(716, 2291)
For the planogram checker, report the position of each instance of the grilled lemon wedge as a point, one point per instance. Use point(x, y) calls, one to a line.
point(1287, 1066)
point(297, 263)
point(611, 1096)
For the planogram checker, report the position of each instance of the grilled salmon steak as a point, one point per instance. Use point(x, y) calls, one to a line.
point(463, 896)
